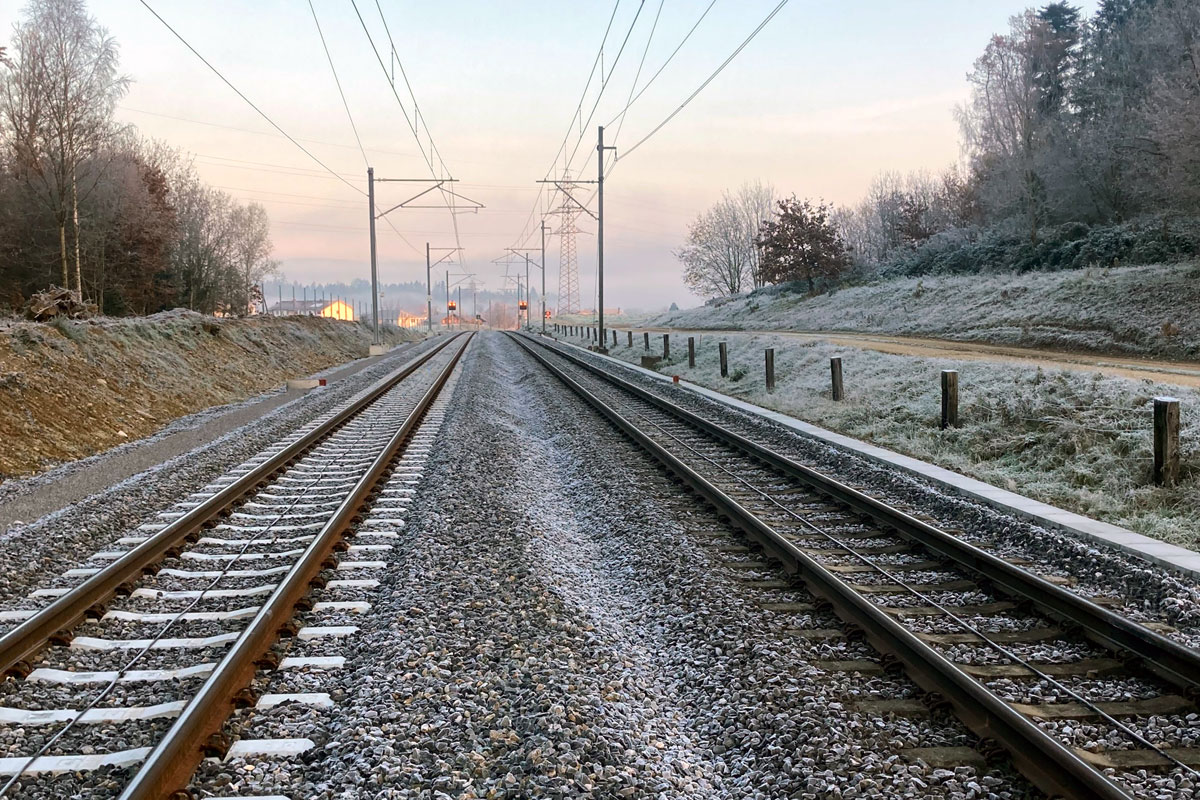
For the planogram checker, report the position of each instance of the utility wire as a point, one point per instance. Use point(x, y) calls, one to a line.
point(526, 231)
point(354, 127)
point(604, 85)
point(641, 63)
point(707, 81)
point(411, 122)
point(664, 65)
point(338, 82)
point(249, 102)
point(447, 197)
point(263, 114)
point(420, 117)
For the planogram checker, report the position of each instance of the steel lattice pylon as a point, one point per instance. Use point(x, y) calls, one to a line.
point(568, 260)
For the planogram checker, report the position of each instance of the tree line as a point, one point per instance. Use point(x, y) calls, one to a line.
point(88, 204)
point(1081, 142)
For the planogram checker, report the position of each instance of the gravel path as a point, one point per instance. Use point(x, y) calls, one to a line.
point(554, 623)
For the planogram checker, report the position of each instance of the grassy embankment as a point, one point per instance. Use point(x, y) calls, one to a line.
point(1138, 311)
point(1074, 439)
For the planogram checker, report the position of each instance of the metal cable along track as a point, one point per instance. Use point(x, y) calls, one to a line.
point(1053, 767)
point(196, 732)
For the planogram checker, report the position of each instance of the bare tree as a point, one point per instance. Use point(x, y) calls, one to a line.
point(57, 103)
point(251, 252)
point(721, 255)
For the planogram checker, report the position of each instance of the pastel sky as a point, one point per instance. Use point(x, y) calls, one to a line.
point(827, 96)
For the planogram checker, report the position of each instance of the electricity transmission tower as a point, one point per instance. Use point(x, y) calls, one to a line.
point(568, 259)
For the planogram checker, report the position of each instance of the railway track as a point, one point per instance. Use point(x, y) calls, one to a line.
point(123, 681)
point(1078, 696)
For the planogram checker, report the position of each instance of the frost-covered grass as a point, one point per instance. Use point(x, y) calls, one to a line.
point(1143, 311)
point(1075, 440)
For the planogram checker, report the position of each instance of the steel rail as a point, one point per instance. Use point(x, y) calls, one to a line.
point(1050, 765)
point(170, 765)
point(1176, 664)
point(19, 645)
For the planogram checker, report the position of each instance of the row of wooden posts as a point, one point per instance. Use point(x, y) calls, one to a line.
point(1166, 409)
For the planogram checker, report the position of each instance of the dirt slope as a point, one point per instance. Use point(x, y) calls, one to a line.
point(69, 390)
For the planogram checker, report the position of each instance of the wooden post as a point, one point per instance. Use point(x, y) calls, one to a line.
point(835, 376)
point(614, 337)
point(666, 347)
point(646, 341)
point(1166, 441)
point(770, 364)
point(630, 338)
point(692, 352)
point(724, 350)
point(949, 398)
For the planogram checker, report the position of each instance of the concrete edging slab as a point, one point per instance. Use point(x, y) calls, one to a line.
point(1163, 554)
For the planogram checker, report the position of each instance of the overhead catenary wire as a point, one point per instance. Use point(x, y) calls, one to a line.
point(604, 85)
point(447, 198)
point(248, 101)
point(620, 115)
point(264, 115)
point(337, 81)
point(254, 132)
point(641, 63)
point(526, 231)
point(706, 82)
point(618, 156)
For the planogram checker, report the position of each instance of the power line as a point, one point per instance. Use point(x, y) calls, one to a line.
point(641, 63)
point(337, 81)
point(448, 199)
point(263, 114)
point(526, 232)
point(420, 117)
point(707, 81)
point(248, 101)
point(283, 171)
point(255, 133)
point(604, 85)
point(679, 47)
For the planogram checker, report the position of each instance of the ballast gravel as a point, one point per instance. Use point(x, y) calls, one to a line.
point(1148, 592)
point(548, 627)
point(39, 550)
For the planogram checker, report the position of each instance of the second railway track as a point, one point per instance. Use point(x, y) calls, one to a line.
point(122, 681)
point(1079, 697)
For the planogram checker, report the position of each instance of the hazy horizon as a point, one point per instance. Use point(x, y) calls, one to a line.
point(823, 100)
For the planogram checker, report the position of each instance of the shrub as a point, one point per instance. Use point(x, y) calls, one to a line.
point(1069, 246)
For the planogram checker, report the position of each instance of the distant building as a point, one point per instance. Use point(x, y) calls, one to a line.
point(407, 320)
point(335, 309)
point(338, 310)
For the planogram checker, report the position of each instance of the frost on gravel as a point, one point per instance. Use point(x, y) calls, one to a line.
point(549, 629)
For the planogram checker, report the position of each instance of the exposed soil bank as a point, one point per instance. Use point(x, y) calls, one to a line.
point(1139, 311)
point(70, 390)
